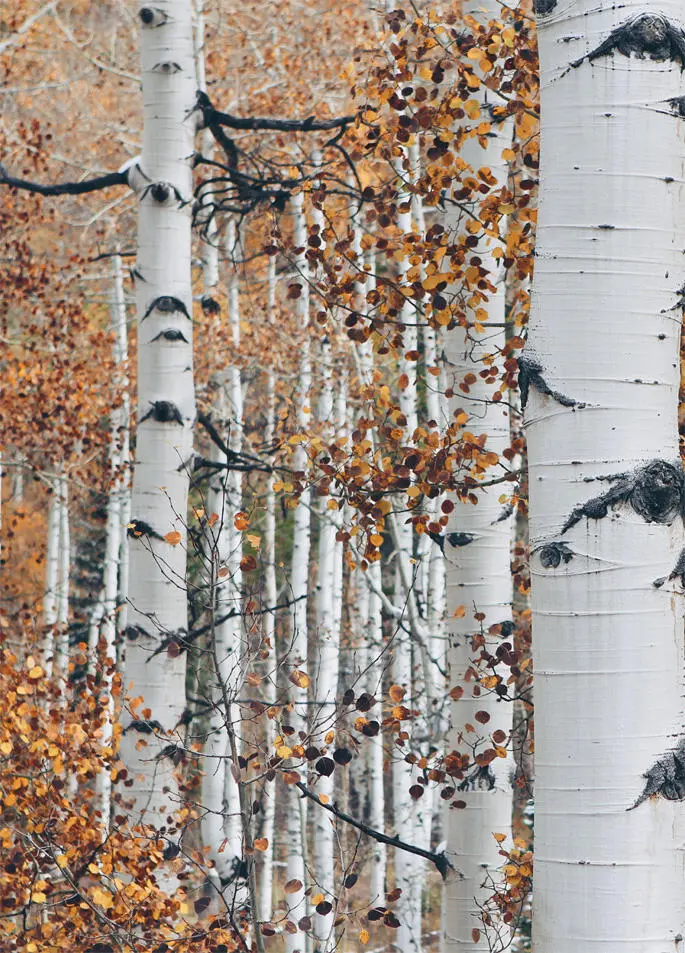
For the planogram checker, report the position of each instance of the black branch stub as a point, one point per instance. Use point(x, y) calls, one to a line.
point(677, 104)
point(171, 334)
point(138, 528)
point(163, 412)
point(530, 375)
point(168, 67)
point(166, 304)
point(161, 193)
point(678, 572)
point(543, 8)
point(648, 35)
point(666, 778)
point(655, 491)
point(552, 555)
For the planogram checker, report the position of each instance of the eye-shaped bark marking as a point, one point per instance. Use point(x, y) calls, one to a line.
point(171, 334)
point(480, 779)
point(166, 304)
point(647, 35)
point(169, 67)
point(152, 17)
point(666, 778)
point(553, 554)
point(530, 375)
point(655, 491)
point(138, 528)
point(164, 412)
point(459, 539)
point(543, 8)
point(134, 632)
point(161, 192)
point(678, 572)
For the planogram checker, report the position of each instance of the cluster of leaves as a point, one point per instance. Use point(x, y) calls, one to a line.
point(65, 883)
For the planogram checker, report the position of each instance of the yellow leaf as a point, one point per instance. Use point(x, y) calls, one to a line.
point(413, 492)
point(460, 612)
point(363, 937)
point(332, 505)
point(317, 898)
point(254, 541)
point(284, 751)
point(6, 747)
point(173, 538)
point(300, 678)
point(500, 837)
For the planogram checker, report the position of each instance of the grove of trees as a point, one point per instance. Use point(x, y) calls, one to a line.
point(342, 511)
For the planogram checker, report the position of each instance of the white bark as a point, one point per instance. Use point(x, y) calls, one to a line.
point(604, 331)
point(376, 755)
point(325, 684)
point(50, 598)
point(295, 808)
point(270, 596)
point(222, 828)
point(157, 596)
point(106, 618)
point(478, 579)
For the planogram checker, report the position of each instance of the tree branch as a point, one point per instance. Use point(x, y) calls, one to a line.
point(65, 188)
point(212, 116)
point(441, 861)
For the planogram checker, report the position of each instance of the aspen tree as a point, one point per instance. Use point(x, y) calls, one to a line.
point(599, 383)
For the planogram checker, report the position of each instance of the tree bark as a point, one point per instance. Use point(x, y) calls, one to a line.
point(166, 409)
point(600, 373)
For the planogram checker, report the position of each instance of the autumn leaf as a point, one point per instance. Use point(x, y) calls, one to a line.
point(173, 538)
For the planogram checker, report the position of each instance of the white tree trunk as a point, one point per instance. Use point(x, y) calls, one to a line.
point(601, 371)
point(325, 683)
point(114, 535)
point(297, 660)
point(270, 596)
point(222, 829)
point(50, 599)
point(166, 407)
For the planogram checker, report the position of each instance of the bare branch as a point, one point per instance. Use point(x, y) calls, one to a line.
point(97, 184)
point(441, 861)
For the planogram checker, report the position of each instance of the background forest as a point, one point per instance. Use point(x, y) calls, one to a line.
point(269, 345)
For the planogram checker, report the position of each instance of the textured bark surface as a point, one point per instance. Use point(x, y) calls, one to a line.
point(605, 328)
point(157, 596)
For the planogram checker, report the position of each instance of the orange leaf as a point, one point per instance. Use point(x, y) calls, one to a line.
point(261, 843)
point(173, 538)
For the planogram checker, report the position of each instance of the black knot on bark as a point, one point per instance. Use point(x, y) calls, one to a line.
point(666, 778)
point(152, 16)
point(133, 632)
point(171, 334)
point(159, 192)
point(164, 412)
point(138, 528)
point(543, 7)
point(647, 35)
point(655, 491)
point(166, 304)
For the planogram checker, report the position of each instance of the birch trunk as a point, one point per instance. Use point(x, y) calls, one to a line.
point(271, 596)
point(222, 828)
point(166, 407)
point(328, 615)
point(113, 533)
point(50, 598)
point(295, 805)
point(600, 373)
